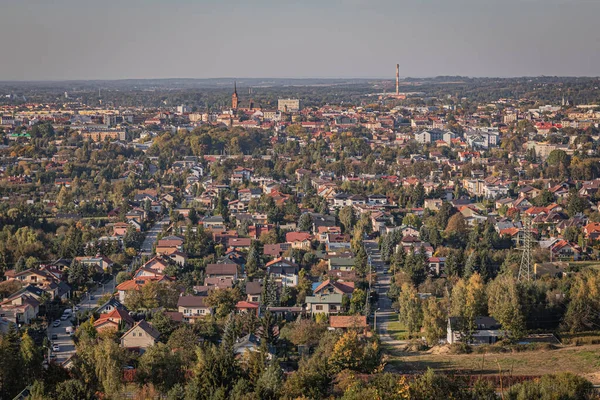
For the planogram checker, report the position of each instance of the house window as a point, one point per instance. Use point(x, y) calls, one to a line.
point(333, 308)
point(319, 308)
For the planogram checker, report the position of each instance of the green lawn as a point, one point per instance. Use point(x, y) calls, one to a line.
point(396, 329)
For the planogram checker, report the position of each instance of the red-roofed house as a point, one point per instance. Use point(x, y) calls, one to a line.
point(329, 286)
point(247, 306)
point(299, 240)
point(116, 319)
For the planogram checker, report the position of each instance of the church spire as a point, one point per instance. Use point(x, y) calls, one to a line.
point(234, 97)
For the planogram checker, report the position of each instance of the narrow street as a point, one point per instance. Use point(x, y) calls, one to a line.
point(152, 236)
point(384, 310)
point(63, 340)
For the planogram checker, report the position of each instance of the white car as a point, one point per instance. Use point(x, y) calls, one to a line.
point(56, 348)
point(65, 317)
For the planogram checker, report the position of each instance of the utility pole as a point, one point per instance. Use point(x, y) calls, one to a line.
point(368, 301)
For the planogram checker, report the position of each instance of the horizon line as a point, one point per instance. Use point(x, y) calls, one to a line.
point(293, 78)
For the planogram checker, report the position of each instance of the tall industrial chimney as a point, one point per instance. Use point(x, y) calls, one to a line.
point(397, 79)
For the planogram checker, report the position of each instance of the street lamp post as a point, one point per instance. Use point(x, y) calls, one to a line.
point(375, 321)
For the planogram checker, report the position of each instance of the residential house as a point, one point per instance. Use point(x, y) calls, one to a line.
point(283, 271)
point(222, 271)
point(110, 305)
point(20, 309)
point(254, 291)
point(329, 287)
point(563, 249)
point(488, 331)
point(99, 262)
point(141, 336)
point(326, 304)
point(341, 263)
point(116, 319)
point(193, 307)
point(247, 307)
point(299, 240)
point(347, 322)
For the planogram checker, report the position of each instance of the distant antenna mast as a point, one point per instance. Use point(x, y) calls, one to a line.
point(397, 79)
point(525, 269)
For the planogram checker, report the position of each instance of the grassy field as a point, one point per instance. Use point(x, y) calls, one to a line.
point(396, 329)
point(585, 264)
point(581, 360)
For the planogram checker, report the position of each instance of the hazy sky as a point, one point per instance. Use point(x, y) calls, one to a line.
point(114, 39)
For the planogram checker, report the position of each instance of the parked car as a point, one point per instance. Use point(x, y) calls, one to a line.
point(65, 317)
point(54, 337)
point(56, 323)
point(56, 348)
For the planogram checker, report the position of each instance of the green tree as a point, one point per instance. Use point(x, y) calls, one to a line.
point(31, 357)
point(410, 314)
point(73, 389)
point(269, 384)
point(305, 222)
point(505, 306)
point(223, 300)
point(435, 320)
point(160, 366)
point(108, 362)
point(560, 386)
point(269, 295)
point(347, 218)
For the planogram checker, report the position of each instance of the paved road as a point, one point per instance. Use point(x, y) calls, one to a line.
point(152, 235)
point(382, 286)
point(65, 342)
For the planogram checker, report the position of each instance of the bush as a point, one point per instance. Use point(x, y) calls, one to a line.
point(460, 348)
point(564, 386)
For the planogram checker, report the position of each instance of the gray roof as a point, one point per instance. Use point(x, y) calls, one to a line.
point(192, 301)
point(334, 298)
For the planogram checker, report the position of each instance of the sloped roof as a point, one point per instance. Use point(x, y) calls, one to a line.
point(146, 327)
point(348, 321)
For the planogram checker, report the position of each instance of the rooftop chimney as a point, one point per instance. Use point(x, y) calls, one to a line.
point(397, 78)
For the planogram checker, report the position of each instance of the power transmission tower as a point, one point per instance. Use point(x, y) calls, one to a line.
point(525, 268)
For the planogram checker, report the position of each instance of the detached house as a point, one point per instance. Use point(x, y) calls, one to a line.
point(488, 331)
point(326, 303)
point(116, 319)
point(193, 307)
point(283, 271)
point(331, 287)
point(299, 240)
point(222, 271)
point(20, 309)
point(141, 336)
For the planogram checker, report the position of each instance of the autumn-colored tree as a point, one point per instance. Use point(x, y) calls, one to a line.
point(411, 314)
point(355, 352)
point(457, 225)
point(435, 320)
point(504, 305)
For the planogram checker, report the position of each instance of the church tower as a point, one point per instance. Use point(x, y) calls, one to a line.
point(234, 97)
